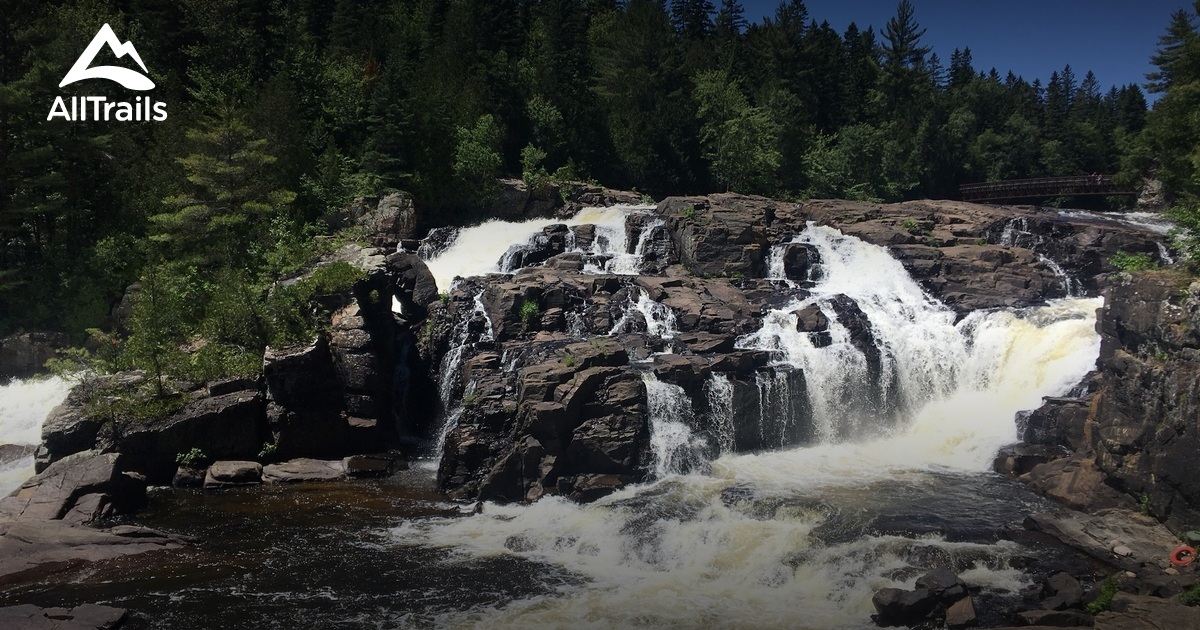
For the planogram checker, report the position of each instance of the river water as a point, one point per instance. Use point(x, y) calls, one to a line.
point(798, 536)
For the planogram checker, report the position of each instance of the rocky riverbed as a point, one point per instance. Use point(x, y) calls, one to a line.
point(751, 327)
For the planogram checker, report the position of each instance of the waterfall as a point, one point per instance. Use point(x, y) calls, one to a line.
point(675, 447)
point(660, 319)
point(1164, 254)
point(631, 263)
point(1070, 285)
point(478, 250)
point(907, 407)
point(719, 394)
point(450, 370)
point(24, 405)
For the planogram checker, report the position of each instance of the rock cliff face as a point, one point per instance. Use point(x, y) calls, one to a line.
point(550, 378)
point(1131, 438)
point(1147, 414)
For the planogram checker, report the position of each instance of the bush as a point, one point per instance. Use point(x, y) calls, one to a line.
point(1132, 262)
point(1191, 597)
point(195, 459)
point(529, 311)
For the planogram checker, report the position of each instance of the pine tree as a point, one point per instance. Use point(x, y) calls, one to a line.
point(221, 216)
point(692, 19)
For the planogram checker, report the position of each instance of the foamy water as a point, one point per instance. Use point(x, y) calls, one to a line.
point(24, 405)
point(478, 250)
point(783, 539)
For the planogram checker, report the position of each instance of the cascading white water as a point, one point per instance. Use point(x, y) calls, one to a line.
point(660, 319)
point(675, 447)
point(1070, 285)
point(477, 250)
point(24, 405)
point(450, 369)
point(630, 263)
point(719, 392)
point(788, 538)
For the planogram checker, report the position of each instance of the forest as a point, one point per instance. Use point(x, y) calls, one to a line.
point(283, 111)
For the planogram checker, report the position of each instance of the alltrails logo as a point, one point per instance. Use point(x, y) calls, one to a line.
point(143, 108)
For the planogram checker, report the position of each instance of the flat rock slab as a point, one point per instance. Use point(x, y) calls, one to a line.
point(303, 469)
point(82, 617)
point(1147, 541)
point(1133, 612)
point(30, 549)
point(233, 473)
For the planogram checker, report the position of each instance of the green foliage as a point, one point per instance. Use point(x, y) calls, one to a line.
point(910, 226)
point(535, 175)
point(195, 459)
point(477, 158)
point(569, 360)
point(267, 452)
point(1108, 590)
point(231, 198)
point(1191, 597)
point(1144, 503)
point(1186, 214)
point(1132, 262)
point(529, 311)
point(689, 212)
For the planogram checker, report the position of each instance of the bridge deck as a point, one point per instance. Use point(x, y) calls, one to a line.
point(1044, 187)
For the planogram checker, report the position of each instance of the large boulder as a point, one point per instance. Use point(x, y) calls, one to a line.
point(232, 426)
point(386, 220)
point(78, 489)
point(1147, 413)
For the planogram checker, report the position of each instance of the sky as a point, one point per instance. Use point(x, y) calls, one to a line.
point(1113, 38)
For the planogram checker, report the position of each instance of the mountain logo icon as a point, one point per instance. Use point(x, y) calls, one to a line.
point(130, 79)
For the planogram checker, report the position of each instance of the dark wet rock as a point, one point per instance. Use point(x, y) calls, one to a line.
point(25, 354)
point(720, 235)
point(800, 262)
point(416, 288)
point(583, 236)
point(188, 477)
point(303, 469)
point(1061, 591)
point(232, 426)
point(82, 617)
point(229, 474)
point(649, 236)
point(372, 465)
point(1059, 422)
point(538, 249)
point(582, 195)
point(899, 607)
point(945, 584)
point(437, 241)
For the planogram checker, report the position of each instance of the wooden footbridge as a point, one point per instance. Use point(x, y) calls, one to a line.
point(1043, 188)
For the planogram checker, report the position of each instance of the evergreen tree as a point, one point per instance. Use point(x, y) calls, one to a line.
point(221, 216)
